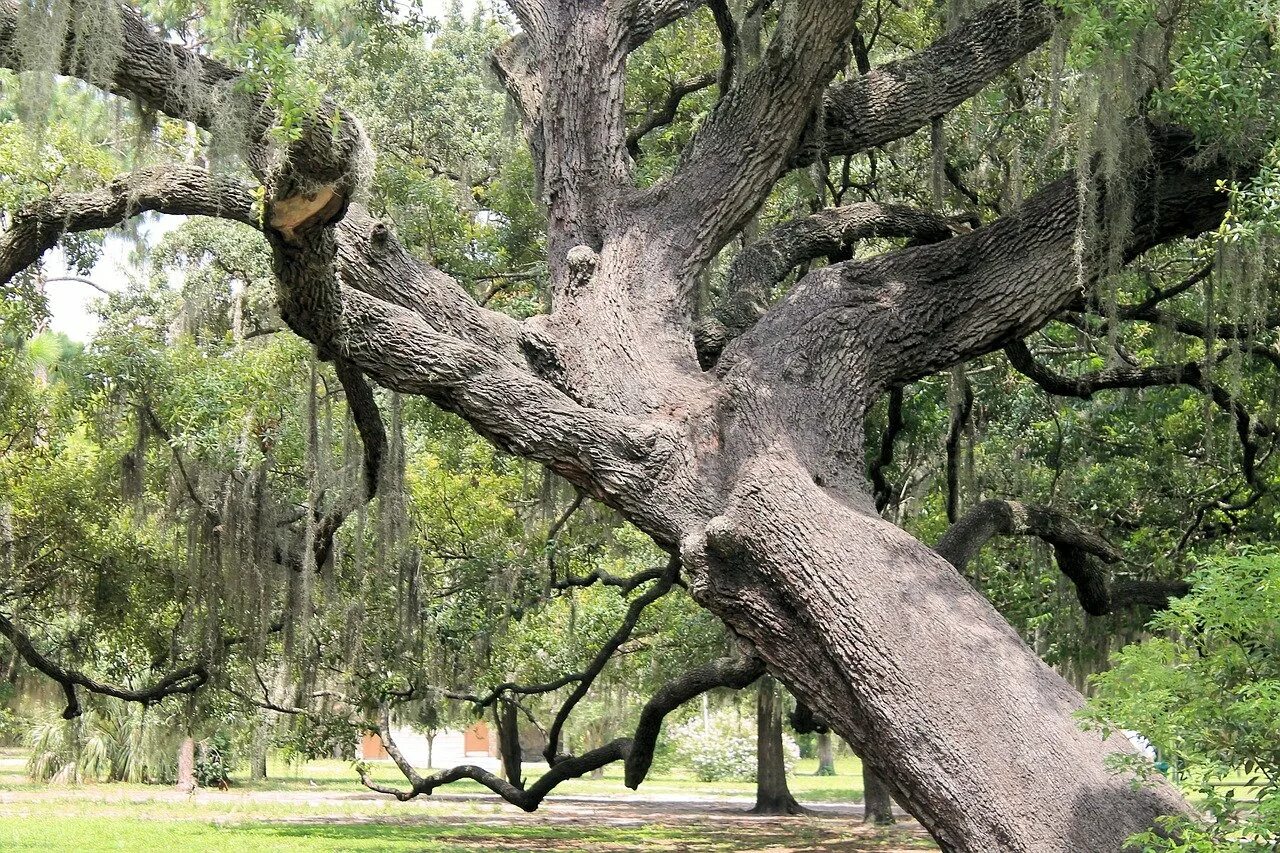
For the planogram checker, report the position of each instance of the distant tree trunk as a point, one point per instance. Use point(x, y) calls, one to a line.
point(826, 755)
point(258, 749)
point(509, 741)
point(431, 748)
point(773, 797)
point(187, 764)
point(876, 798)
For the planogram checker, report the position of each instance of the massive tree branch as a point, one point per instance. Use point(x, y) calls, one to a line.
point(1074, 547)
point(896, 99)
point(310, 185)
point(746, 143)
point(765, 263)
point(182, 191)
point(846, 331)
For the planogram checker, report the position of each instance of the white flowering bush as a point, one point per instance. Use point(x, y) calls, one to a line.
point(723, 747)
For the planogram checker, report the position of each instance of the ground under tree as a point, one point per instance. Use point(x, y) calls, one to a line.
point(734, 437)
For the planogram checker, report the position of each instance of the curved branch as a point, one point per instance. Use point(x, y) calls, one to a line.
point(666, 113)
point(368, 257)
point(319, 170)
point(364, 411)
point(1191, 375)
point(649, 16)
point(764, 264)
point(597, 665)
point(1073, 545)
point(637, 752)
point(187, 679)
point(181, 191)
point(732, 672)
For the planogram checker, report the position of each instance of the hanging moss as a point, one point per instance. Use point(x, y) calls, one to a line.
point(51, 35)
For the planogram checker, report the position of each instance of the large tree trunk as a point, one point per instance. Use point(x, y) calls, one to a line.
point(889, 645)
point(876, 799)
point(773, 797)
point(826, 754)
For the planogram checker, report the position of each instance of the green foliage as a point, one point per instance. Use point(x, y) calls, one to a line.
point(112, 741)
point(1205, 690)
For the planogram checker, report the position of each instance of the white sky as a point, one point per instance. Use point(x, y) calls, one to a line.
point(70, 303)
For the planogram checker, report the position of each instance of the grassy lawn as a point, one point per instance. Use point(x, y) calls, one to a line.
point(114, 833)
point(844, 787)
point(321, 806)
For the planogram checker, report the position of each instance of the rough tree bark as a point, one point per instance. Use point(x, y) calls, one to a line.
point(773, 796)
point(752, 473)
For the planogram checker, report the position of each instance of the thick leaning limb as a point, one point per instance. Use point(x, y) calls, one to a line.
point(845, 332)
point(182, 191)
point(764, 264)
point(884, 640)
point(720, 182)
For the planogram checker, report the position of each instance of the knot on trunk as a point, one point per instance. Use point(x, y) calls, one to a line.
point(582, 260)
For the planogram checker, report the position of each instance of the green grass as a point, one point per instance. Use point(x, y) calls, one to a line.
point(844, 787)
point(49, 833)
point(321, 806)
point(93, 834)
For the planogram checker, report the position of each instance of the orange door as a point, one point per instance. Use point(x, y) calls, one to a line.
point(475, 740)
point(371, 747)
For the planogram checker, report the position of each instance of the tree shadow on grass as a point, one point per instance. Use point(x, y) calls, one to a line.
point(796, 836)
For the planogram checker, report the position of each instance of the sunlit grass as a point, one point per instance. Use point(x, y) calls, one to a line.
point(321, 806)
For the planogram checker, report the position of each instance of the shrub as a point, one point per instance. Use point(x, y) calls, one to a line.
point(724, 748)
point(1206, 692)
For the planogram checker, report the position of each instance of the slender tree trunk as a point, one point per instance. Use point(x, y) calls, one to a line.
point(509, 741)
point(187, 764)
point(773, 797)
point(259, 748)
point(876, 798)
point(826, 755)
point(431, 749)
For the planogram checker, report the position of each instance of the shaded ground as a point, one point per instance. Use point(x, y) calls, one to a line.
point(321, 814)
